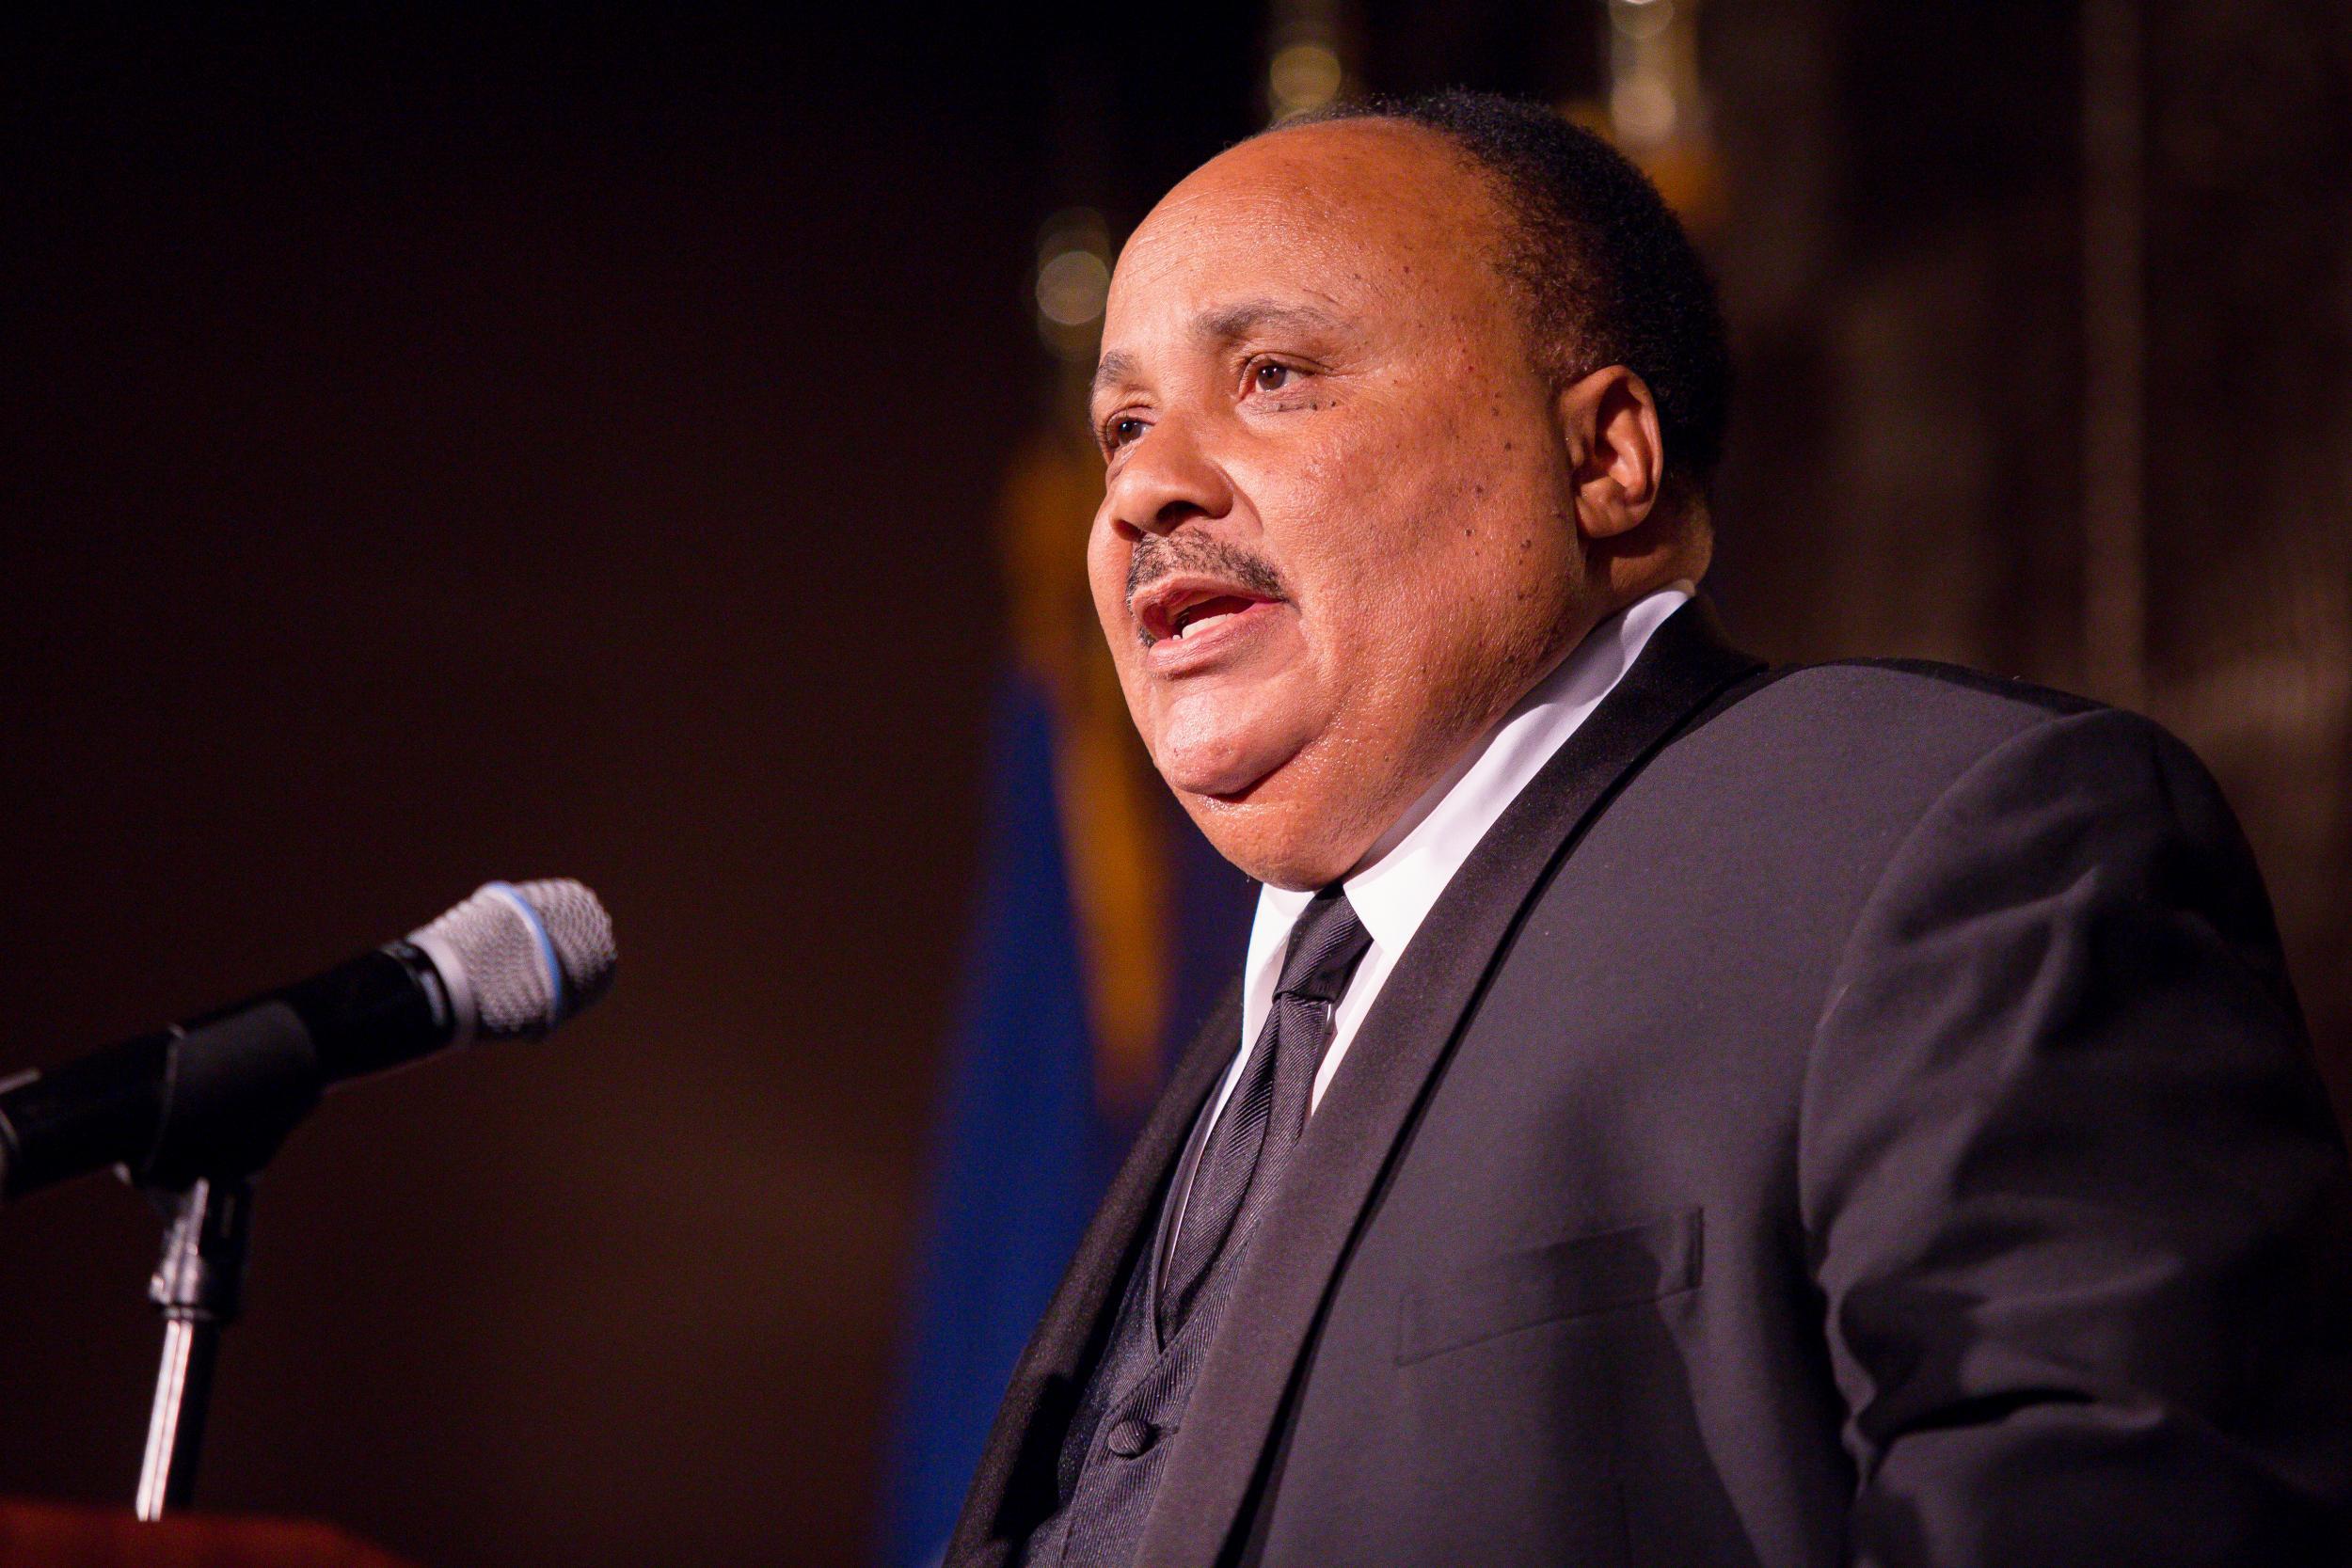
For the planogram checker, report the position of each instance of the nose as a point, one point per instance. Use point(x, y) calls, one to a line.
point(1166, 482)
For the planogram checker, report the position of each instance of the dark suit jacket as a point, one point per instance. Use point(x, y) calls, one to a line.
point(1851, 1114)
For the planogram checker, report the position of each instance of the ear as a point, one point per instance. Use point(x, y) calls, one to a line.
point(1617, 457)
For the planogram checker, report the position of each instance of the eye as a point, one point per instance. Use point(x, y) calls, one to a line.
point(1270, 377)
point(1119, 432)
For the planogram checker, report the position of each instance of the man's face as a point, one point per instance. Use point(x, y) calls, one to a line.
point(1338, 539)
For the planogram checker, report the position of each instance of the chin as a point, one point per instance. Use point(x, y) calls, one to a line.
point(1222, 761)
point(1212, 775)
point(1260, 786)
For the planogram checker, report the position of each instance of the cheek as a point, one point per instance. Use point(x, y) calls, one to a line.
point(1427, 547)
point(1383, 517)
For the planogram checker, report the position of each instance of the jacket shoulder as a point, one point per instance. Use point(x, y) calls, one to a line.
point(1881, 716)
point(1860, 750)
point(1866, 751)
point(1922, 688)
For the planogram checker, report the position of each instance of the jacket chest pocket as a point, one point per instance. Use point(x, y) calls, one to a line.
point(1572, 1278)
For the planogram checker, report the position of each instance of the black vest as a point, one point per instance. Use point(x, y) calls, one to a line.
point(1117, 1446)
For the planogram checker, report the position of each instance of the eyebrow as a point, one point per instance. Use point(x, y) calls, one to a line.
point(1225, 325)
point(1117, 369)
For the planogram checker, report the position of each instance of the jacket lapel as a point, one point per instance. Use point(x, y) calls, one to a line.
point(1305, 1237)
point(1014, 1486)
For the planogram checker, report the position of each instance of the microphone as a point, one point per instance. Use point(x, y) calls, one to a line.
point(214, 1097)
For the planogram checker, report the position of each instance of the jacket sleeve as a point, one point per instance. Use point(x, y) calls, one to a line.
point(2075, 1199)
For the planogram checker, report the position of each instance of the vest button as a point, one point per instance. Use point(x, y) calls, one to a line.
point(1131, 1438)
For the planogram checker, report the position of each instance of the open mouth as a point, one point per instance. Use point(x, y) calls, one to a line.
point(1204, 613)
point(1181, 611)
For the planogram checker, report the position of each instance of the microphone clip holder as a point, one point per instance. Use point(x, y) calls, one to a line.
point(198, 1285)
point(235, 1088)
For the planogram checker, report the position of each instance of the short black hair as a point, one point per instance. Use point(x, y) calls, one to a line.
point(1608, 274)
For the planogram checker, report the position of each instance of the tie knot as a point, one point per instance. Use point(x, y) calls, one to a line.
point(1325, 945)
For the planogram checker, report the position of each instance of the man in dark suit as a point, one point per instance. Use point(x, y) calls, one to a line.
point(1673, 1111)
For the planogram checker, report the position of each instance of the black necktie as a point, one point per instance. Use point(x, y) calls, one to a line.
point(1242, 1162)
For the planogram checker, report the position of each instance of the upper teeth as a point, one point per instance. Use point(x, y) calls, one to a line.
point(1188, 628)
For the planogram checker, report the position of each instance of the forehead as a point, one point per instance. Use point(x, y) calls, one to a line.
point(1366, 219)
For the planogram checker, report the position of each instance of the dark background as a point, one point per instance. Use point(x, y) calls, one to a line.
point(567, 444)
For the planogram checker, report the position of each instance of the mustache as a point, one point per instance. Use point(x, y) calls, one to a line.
point(1157, 556)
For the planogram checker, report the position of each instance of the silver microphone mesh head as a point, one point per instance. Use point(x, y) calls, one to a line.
point(582, 934)
point(522, 959)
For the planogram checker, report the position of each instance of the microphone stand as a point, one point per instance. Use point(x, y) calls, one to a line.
point(196, 1287)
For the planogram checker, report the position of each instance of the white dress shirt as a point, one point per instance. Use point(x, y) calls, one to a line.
point(1394, 886)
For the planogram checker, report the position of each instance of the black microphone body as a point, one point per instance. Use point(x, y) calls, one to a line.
point(216, 1096)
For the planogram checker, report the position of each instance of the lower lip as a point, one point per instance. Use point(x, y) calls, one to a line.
point(1173, 656)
